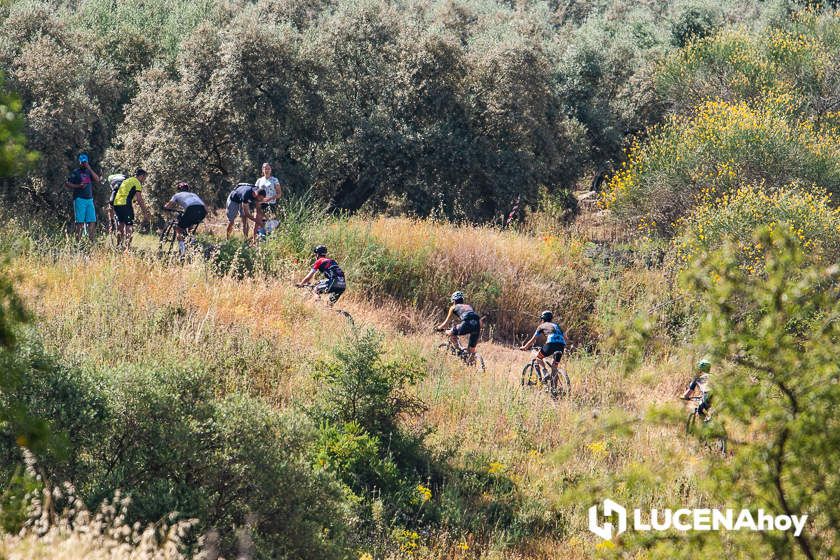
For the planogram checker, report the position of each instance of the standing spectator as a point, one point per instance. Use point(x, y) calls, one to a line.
point(241, 202)
point(81, 182)
point(124, 209)
point(273, 191)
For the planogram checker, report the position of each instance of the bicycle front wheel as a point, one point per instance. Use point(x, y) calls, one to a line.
point(529, 376)
point(691, 422)
point(447, 348)
point(166, 245)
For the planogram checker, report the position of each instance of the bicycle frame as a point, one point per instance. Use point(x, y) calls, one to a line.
point(540, 363)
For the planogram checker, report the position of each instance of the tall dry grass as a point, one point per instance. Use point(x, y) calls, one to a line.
point(261, 335)
point(508, 276)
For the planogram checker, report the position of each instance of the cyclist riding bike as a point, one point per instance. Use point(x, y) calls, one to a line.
point(333, 282)
point(553, 341)
point(194, 212)
point(701, 382)
point(470, 323)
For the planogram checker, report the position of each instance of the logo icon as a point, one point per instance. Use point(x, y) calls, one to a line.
point(605, 531)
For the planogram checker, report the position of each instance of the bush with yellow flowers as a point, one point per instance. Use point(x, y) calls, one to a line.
point(805, 212)
point(738, 64)
point(694, 159)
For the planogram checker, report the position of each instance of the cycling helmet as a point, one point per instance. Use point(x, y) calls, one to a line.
point(546, 315)
point(457, 297)
point(183, 186)
point(704, 365)
point(320, 250)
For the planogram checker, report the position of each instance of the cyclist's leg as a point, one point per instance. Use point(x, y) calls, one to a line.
point(475, 332)
point(540, 364)
point(246, 228)
point(454, 333)
point(259, 215)
point(336, 289)
point(179, 235)
point(705, 405)
point(125, 219)
point(556, 352)
point(129, 226)
point(232, 210)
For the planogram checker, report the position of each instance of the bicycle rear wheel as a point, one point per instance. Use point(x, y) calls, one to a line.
point(346, 316)
point(560, 385)
point(477, 363)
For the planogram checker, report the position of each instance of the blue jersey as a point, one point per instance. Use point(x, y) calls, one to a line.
point(552, 332)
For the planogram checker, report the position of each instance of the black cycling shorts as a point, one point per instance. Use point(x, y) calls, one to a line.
point(125, 214)
point(335, 287)
point(192, 216)
point(471, 327)
point(551, 349)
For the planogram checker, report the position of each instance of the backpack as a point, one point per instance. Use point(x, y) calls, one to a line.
point(116, 182)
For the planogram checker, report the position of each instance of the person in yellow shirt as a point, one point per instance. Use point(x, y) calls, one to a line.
point(124, 208)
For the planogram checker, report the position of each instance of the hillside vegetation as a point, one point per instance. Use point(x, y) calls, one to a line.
point(161, 409)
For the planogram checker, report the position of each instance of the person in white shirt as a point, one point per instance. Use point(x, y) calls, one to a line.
point(194, 212)
point(273, 190)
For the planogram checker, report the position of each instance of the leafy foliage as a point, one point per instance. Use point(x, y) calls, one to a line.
point(165, 437)
point(782, 385)
point(454, 108)
point(733, 217)
point(799, 58)
point(695, 158)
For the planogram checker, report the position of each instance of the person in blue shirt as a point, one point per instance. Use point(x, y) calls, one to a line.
point(81, 181)
point(551, 338)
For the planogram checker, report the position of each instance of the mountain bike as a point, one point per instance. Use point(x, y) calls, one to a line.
point(538, 373)
point(713, 439)
point(471, 360)
point(317, 297)
point(167, 245)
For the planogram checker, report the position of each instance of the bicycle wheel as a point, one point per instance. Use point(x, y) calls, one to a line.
point(529, 376)
point(560, 386)
point(346, 316)
point(477, 363)
point(447, 348)
point(166, 244)
point(691, 422)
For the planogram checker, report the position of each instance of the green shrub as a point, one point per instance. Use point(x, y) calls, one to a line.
point(165, 438)
point(738, 64)
point(776, 381)
point(695, 22)
point(233, 257)
point(732, 218)
point(692, 159)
